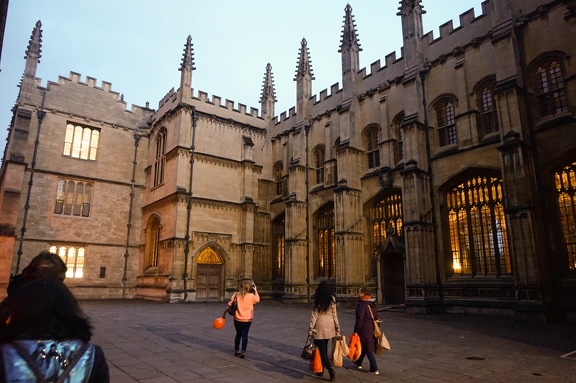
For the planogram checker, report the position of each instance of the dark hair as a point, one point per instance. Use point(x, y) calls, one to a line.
point(323, 297)
point(45, 309)
point(45, 265)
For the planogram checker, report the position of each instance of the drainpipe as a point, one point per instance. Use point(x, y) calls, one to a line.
point(189, 207)
point(431, 185)
point(307, 130)
point(41, 113)
point(129, 225)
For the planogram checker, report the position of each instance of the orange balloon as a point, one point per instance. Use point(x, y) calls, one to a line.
point(218, 323)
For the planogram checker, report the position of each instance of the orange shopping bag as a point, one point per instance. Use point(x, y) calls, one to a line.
point(316, 362)
point(355, 347)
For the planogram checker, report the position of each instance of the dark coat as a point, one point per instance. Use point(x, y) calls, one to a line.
point(364, 325)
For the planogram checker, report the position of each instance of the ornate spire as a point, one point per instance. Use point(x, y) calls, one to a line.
point(186, 68)
point(34, 51)
point(349, 34)
point(304, 65)
point(188, 56)
point(268, 95)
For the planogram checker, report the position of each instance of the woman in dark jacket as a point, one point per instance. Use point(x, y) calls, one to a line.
point(47, 335)
point(364, 327)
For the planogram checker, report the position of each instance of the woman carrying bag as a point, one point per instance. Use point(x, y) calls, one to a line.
point(246, 298)
point(324, 325)
point(364, 327)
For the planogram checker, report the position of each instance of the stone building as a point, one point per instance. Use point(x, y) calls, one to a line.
point(444, 179)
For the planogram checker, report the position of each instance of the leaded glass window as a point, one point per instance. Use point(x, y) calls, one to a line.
point(566, 189)
point(477, 227)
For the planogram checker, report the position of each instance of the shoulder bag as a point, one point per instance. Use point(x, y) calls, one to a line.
point(234, 306)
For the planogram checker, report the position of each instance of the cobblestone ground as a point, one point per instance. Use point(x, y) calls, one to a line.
point(164, 343)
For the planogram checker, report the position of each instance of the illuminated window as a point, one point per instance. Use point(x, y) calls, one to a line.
point(281, 180)
point(566, 189)
point(319, 159)
point(73, 257)
point(550, 87)
point(326, 255)
point(81, 142)
point(152, 243)
point(371, 144)
point(386, 214)
point(160, 162)
point(278, 247)
point(487, 108)
point(73, 198)
point(477, 227)
point(446, 123)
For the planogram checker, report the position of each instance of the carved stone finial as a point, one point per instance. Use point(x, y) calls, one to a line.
point(304, 65)
point(349, 33)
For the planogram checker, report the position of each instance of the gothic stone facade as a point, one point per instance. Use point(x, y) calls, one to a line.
point(443, 179)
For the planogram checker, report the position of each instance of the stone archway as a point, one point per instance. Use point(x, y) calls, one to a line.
point(209, 275)
point(392, 278)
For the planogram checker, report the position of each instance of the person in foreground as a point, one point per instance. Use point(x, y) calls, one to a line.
point(324, 325)
point(48, 336)
point(364, 327)
point(246, 298)
point(44, 265)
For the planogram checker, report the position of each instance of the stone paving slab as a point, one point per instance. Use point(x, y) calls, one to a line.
point(155, 342)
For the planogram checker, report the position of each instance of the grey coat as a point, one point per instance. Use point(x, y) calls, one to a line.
point(325, 325)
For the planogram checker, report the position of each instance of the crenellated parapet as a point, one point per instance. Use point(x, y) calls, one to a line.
point(70, 95)
point(214, 105)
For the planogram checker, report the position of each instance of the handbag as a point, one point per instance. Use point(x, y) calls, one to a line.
point(316, 362)
point(339, 350)
point(382, 345)
point(354, 347)
point(234, 306)
point(377, 331)
point(308, 350)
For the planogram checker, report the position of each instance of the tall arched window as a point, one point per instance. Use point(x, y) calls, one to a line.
point(73, 257)
point(445, 122)
point(548, 81)
point(487, 107)
point(152, 243)
point(566, 189)
point(81, 142)
point(326, 253)
point(477, 227)
point(160, 161)
point(278, 247)
point(386, 214)
point(319, 159)
point(73, 198)
point(372, 146)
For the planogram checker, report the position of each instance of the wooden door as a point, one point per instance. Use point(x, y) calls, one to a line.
point(208, 282)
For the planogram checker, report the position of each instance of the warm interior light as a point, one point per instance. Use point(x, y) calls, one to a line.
point(456, 266)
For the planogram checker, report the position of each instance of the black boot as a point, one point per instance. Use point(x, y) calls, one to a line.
point(332, 374)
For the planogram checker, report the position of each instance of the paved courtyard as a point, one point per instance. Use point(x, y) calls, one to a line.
point(165, 343)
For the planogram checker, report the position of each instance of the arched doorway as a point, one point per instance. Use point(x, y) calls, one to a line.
point(209, 275)
point(392, 277)
point(393, 283)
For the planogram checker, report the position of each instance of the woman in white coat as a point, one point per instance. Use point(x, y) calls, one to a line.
point(324, 325)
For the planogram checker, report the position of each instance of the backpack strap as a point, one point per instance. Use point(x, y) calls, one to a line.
point(28, 359)
point(73, 362)
point(24, 355)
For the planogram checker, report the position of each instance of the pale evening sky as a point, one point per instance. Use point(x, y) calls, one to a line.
point(137, 45)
